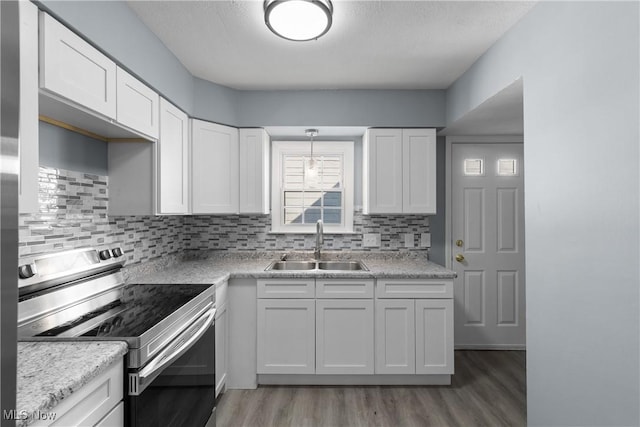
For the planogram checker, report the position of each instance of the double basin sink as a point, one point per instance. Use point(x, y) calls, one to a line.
point(317, 265)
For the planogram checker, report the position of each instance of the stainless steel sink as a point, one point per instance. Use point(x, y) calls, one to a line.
point(291, 265)
point(321, 265)
point(342, 265)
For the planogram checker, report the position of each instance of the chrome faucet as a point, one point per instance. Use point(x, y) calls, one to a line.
point(319, 240)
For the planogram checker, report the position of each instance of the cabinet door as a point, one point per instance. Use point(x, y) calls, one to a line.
point(222, 334)
point(115, 418)
point(344, 336)
point(28, 147)
point(75, 70)
point(434, 336)
point(419, 171)
point(395, 336)
point(173, 160)
point(382, 181)
point(286, 336)
point(254, 171)
point(137, 104)
point(214, 173)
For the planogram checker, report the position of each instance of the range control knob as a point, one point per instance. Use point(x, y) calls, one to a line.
point(26, 271)
point(105, 254)
point(117, 252)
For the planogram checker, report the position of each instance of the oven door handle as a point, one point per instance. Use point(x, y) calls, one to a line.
point(169, 355)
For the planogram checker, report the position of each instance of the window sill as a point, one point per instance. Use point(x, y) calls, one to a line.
point(326, 233)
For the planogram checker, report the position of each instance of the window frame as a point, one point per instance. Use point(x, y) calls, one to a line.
point(303, 148)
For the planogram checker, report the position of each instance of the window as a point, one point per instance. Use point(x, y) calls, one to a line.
point(306, 190)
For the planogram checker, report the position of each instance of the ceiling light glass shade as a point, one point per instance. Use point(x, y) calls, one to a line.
point(298, 20)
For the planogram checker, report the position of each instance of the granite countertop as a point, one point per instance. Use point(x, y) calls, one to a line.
point(48, 372)
point(212, 267)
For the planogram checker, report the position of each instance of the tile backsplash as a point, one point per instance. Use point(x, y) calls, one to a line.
point(73, 214)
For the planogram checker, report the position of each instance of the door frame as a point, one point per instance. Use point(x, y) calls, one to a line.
point(450, 140)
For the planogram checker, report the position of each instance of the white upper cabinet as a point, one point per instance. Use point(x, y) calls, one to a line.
point(137, 105)
point(399, 168)
point(173, 160)
point(254, 171)
point(73, 69)
point(419, 171)
point(28, 148)
point(214, 168)
point(382, 166)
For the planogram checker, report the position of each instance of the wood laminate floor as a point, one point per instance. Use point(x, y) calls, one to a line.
point(488, 389)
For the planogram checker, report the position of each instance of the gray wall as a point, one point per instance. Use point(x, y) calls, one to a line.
point(397, 108)
point(580, 65)
point(63, 149)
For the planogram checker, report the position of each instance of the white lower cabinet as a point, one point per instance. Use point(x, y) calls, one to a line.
point(414, 336)
point(286, 336)
point(344, 336)
point(345, 331)
point(395, 336)
point(97, 403)
point(434, 336)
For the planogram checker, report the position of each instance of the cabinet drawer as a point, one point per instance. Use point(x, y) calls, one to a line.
point(89, 404)
point(414, 288)
point(344, 288)
point(286, 288)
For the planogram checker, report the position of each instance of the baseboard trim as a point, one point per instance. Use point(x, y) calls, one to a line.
point(490, 347)
point(272, 379)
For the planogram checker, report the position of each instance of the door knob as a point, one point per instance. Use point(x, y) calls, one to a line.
point(459, 243)
point(459, 257)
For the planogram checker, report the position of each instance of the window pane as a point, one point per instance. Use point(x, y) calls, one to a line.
point(312, 198)
point(331, 172)
point(293, 216)
point(333, 198)
point(293, 198)
point(473, 167)
point(507, 167)
point(333, 216)
point(311, 215)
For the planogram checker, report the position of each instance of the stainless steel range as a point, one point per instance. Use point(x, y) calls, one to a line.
point(81, 295)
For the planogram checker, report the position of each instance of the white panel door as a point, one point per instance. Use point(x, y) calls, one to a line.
point(434, 336)
point(173, 160)
point(383, 174)
point(344, 336)
point(137, 105)
point(286, 336)
point(488, 240)
point(419, 171)
point(73, 69)
point(254, 171)
point(395, 336)
point(214, 168)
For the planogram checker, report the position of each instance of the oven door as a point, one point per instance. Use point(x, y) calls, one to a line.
point(177, 387)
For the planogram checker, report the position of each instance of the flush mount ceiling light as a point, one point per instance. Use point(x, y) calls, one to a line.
point(298, 20)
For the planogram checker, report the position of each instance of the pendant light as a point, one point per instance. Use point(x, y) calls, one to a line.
point(311, 170)
point(298, 20)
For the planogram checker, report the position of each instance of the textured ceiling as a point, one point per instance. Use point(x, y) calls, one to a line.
point(381, 44)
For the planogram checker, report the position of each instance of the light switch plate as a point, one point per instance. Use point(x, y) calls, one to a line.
point(425, 240)
point(371, 240)
point(409, 240)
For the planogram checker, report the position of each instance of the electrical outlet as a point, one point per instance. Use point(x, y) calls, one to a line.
point(425, 240)
point(371, 239)
point(409, 240)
